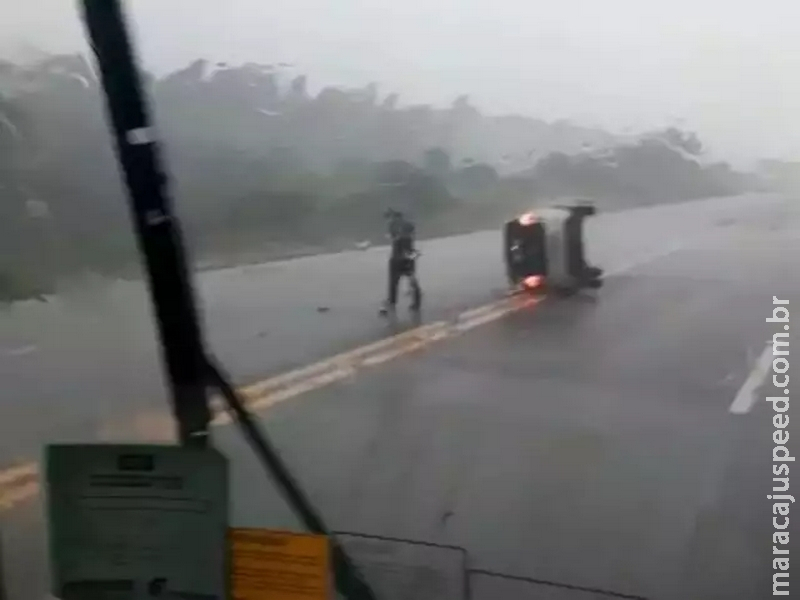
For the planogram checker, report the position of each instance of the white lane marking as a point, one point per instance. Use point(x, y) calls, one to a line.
point(745, 398)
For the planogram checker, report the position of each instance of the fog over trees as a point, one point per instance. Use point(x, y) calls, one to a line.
point(262, 168)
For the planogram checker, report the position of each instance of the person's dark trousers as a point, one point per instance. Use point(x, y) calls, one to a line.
point(398, 268)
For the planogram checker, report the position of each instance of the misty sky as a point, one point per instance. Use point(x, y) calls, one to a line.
point(728, 68)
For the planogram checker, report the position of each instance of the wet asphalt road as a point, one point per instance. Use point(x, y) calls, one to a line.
point(581, 441)
point(587, 442)
point(78, 367)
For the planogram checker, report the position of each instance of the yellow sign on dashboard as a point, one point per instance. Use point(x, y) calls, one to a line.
point(279, 565)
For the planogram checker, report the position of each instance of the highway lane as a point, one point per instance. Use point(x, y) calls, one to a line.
point(88, 360)
point(584, 442)
point(587, 442)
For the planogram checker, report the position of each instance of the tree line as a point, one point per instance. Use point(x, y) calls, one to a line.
point(259, 164)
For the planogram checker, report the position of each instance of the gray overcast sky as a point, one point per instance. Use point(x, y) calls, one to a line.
point(729, 68)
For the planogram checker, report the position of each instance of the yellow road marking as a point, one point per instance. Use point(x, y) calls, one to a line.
point(21, 483)
point(16, 473)
point(258, 389)
point(18, 484)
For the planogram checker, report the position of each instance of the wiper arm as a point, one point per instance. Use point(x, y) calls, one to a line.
point(348, 580)
point(189, 369)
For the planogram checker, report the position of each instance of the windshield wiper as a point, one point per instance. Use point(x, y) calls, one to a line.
point(190, 371)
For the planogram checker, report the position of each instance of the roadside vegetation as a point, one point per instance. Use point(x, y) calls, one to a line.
point(262, 168)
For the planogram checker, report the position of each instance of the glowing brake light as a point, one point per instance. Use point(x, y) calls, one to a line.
point(532, 281)
point(527, 219)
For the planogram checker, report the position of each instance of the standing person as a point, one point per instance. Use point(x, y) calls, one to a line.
point(402, 260)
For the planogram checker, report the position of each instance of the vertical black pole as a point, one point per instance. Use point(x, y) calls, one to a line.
point(160, 241)
point(157, 231)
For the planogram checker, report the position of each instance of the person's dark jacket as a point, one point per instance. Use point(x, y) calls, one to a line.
point(401, 233)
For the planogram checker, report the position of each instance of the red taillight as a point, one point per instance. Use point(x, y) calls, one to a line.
point(533, 281)
point(527, 219)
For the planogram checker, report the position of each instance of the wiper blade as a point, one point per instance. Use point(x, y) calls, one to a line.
point(189, 369)
point(347, 578)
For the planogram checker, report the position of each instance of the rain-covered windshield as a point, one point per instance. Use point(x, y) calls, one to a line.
point(345, 174)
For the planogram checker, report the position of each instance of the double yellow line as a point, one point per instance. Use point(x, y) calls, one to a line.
point(22, 483)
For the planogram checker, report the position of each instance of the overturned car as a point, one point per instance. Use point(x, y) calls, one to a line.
point(544, 250)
